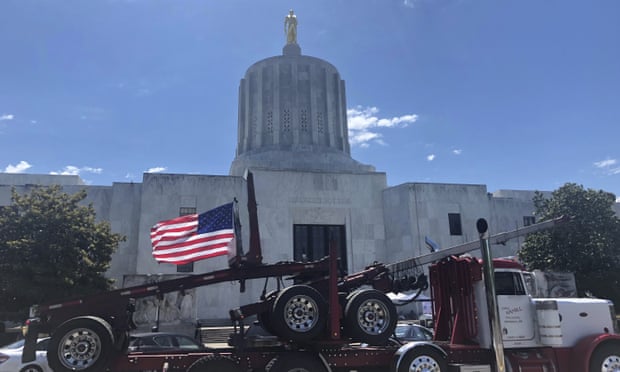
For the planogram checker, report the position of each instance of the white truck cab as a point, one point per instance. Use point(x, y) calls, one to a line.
point(528, 321)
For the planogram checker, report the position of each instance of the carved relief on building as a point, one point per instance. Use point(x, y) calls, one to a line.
point(173, 308)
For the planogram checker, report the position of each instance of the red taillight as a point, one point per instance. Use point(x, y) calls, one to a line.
point(25, 327)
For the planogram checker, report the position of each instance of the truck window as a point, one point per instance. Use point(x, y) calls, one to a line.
point(508, 283)
point(530, 283)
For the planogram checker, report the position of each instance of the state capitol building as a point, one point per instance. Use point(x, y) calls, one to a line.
point(293, 136)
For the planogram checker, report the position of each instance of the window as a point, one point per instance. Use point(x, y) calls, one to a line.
point(529, 220)
point(187, 343)
point(508, 283)
point(185, 268)
point(311, 243)
point(530, 284)
point(184, 211)
point(188, 267)
point(164, 340)
point(454, 219)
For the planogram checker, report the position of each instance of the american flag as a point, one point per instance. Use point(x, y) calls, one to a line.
point(193, 237)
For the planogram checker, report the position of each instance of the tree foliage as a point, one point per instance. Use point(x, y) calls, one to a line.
point(588, 246)
point(51, 247)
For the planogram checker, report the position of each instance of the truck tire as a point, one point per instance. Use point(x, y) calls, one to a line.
point(606, 358)
point(299, 314)
point(296, 362)
point(264, 318)
point(80, 344)
point(369, 317)
point(122, 342)
point(423, 359)
point(216, 364)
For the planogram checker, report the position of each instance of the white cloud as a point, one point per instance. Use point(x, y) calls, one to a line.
point(7, 117)
point(430, 157)
point(156, 170)
point(19, 168)
point(605, 163)
point(607, 166)
point(92, 170)
point(457, 151)
point(71, 170)
point(364, 124)
point(618, 199)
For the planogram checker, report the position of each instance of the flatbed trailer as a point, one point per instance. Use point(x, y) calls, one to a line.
point(350, 357)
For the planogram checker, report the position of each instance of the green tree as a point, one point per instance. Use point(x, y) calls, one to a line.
point(51, 247)
point(588, 246)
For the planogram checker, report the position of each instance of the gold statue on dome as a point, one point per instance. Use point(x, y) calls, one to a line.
point(290, 27)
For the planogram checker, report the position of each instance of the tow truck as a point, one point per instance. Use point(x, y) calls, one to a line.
point(485, 318)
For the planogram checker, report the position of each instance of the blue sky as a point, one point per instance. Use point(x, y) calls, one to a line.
point(510, 94)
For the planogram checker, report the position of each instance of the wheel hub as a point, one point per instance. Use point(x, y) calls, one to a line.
point(424, 363)
point(373, 317)
point(301, 313)
point(82, 347)
point(611, 364)
point(369, 316)
point(79, 349)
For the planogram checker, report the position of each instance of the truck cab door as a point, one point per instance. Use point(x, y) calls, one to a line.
point(516, 311)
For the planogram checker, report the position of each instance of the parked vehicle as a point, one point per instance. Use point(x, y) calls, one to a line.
point(162, 342)
point(412, 332)
point(11, 357)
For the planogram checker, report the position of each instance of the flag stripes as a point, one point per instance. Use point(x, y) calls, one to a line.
point(193, 237)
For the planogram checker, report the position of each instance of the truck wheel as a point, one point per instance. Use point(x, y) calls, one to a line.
point(80, 344)
point(606, 358)
point(299, 313)
point(370, 317)
point(296, 362)
point(215, 364)
point(423, 359)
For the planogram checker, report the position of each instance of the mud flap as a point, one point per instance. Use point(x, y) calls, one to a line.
point(30, 342)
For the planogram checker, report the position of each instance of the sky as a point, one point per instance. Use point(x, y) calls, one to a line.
point(521, 95)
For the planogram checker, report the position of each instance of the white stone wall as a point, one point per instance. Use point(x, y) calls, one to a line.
point(286, 198)
point(162, 197)
point(382, 224)
point(416, 210)
point(507, 214)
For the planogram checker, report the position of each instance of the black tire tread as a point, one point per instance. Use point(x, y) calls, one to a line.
point(296, 361)
point(216, 363)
